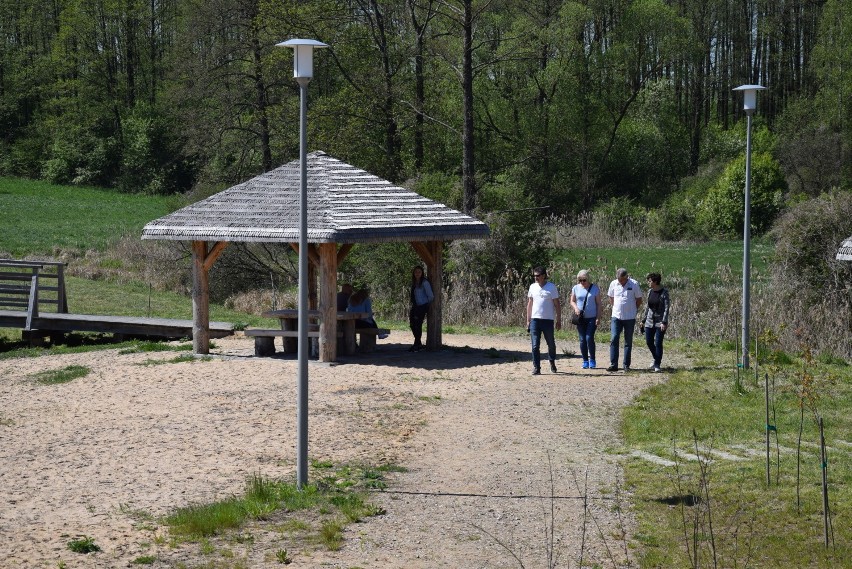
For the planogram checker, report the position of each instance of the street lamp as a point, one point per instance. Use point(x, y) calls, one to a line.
point(303, 71)
point(749, 104)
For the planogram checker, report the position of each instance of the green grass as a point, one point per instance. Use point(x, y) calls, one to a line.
point(83, 545)
point(39, 217)
point(695, 263)
point(83, 343)
point(134, 298)
point(62, 375)
point(746, 513)
point(338, 499)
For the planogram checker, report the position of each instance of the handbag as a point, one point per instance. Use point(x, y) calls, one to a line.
point(575, 318)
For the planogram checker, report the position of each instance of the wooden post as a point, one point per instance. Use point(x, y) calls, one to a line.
point(202, 260)
point(328, 302)
point(435, 270)
point(313, 266)
point(200, 300)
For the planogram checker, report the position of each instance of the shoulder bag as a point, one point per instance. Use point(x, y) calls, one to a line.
point(575, 318)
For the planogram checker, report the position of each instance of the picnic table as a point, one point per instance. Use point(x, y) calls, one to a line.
point(346, 331)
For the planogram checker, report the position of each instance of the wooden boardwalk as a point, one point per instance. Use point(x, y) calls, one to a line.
point(48, 322)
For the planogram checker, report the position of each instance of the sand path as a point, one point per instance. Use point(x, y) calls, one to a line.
point(480, 439)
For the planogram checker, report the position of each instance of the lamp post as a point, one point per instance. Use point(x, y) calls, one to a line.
point(749, 104)
point(303, 71)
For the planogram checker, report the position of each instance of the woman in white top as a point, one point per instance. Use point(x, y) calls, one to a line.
point(586, 302)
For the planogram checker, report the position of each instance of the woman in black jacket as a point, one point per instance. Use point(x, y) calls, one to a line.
point(656, 320)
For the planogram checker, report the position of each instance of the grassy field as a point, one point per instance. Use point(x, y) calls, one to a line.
point(696, 263)
point(736, 519)
point(40, 218)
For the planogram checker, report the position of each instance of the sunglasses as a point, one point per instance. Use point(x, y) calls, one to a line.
point(539, 275)
point(582, 280)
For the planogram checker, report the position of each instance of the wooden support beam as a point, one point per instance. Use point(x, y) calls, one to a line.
point(435, 270)
point(313, 257)
point(343, 252)
point(328, 302)
point(423, 252)
point(200, 299)
point(214, 254)
point(313, 300)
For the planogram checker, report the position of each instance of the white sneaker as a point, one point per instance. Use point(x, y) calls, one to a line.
point(656, 369)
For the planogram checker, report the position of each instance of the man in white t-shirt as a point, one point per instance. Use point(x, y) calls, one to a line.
point(625, 295)
point(544, 313)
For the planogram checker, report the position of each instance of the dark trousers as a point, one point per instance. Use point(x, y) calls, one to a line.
point(415, 320)
point(616, 327)
point(366, 323)
point(539, 327)
point(654, 338)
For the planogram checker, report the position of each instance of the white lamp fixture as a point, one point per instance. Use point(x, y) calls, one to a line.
point(303, 56)
point(749, 96)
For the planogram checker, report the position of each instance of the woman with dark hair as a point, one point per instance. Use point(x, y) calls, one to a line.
point(360, 302)
point(656, 320)
point(421, 297)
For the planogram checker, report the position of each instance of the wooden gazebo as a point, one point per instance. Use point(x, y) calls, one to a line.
point(346, 206)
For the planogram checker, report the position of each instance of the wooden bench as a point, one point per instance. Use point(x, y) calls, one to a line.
point(264, 338)
point(367, 342)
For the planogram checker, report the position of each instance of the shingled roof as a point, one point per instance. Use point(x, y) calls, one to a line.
point(345, 205)
point(845, 251)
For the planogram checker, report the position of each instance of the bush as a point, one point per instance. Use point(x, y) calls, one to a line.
point(807, 238)
point(721, 211)
point(518, 242)
point(620, 218)
point(812, 286)
point(675, 219)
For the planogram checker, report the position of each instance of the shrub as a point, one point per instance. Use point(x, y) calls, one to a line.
point(675, 219)
point(518, 242)
point(721, 211)
point(807, 237)
point(620, 219)
point(814, 288)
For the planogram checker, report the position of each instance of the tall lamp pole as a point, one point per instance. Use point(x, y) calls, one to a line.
point(303, 71)
point(749, 104)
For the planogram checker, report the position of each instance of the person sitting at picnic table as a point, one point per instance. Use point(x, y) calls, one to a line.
point(343, 297)
point(360, 302)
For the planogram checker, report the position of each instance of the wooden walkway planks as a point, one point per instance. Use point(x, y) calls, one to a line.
point(132, 325)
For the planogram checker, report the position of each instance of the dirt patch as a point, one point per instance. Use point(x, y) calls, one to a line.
point(493, 456)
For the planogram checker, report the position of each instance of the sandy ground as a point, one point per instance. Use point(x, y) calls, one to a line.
point(105, 455)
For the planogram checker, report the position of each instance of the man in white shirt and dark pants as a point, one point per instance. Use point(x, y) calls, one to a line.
point(544, 313)
point(626, 298)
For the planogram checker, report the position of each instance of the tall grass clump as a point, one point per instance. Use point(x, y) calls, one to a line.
point(618, 221)
point(811, 289)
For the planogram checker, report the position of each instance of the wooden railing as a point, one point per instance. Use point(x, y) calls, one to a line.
point(32, 285)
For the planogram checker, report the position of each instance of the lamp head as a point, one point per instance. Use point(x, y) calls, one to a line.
point(303, 55)
point(749, 96)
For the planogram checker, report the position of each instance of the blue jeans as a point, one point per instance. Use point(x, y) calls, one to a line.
point(539, 326)
point(586, 328)
point(654, 339)
point(615, 328)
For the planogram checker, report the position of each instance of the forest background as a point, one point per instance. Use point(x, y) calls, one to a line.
point(561, 124)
